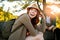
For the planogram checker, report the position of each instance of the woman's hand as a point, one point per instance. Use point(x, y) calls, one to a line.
point(42, 15)
point(28, 33)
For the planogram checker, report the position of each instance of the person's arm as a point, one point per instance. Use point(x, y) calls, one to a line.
point(27, 22)
point(43, 24)
point(16, 24)
point(39, 27)
point(24, 19)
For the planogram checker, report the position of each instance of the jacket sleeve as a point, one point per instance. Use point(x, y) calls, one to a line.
point(27, 22)
point(24, 19)
point(16, 24)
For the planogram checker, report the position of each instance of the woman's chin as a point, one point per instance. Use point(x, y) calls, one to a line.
point(32, 16)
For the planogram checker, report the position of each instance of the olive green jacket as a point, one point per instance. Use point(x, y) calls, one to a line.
point(20, 26)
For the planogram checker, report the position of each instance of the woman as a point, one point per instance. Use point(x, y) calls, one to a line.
point(26, 23)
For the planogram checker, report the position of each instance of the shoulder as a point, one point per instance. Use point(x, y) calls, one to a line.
point(23, 15)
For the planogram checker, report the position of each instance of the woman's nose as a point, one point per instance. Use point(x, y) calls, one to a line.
point(32, 11)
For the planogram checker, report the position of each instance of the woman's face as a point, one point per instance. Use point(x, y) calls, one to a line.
point(32, 13)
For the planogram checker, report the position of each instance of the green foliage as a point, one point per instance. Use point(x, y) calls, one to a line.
point(39, 0)
point(1, 8)
point(28, 0)
point(6, 16)
point(10, 0)
point(24, 6)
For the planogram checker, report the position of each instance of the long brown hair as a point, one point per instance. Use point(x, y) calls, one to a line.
point(35, 20)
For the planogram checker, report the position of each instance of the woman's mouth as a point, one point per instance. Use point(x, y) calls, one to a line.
point(31, 14)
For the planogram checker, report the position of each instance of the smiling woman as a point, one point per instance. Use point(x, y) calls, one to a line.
point(32, 13)
point(26, 23)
